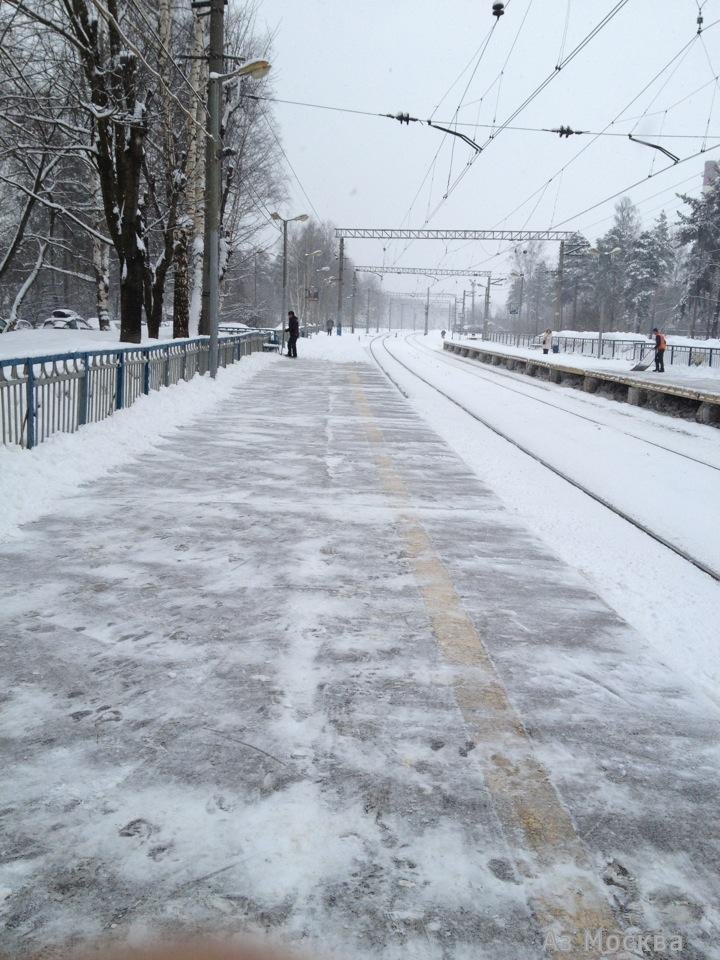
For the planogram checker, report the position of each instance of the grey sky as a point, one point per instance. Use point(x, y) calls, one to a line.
point(404, 55)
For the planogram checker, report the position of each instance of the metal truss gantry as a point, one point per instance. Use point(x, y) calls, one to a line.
point(362, 233)
point(382, 233)
point(424, 271)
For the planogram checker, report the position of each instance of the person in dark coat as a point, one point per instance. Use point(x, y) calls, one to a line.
point(293, 334)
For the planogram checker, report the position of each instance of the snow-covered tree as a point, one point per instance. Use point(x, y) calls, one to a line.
point(699, 229)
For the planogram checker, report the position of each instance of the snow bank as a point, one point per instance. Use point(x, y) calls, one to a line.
point(34, 481)
point(639, 337)
point(41, 343)
point(680, 372)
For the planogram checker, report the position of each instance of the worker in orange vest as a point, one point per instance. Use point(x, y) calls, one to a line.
point(660, 346)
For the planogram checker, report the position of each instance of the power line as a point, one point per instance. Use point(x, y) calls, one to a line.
point(480, 126)
point(588, 38)
point(613, 196)
point(637, 183)
point(595, 137)
point(292, 168)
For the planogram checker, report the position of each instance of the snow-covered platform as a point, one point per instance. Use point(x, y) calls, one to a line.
point(298, 673)
point(683, 391)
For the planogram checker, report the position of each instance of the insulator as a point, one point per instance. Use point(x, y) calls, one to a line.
point(498, 9)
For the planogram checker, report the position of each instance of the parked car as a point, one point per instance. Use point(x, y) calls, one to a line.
point(64, 314)
point(73, 323)
point(19, 324)
point(232, 327)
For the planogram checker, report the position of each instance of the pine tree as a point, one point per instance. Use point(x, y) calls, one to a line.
point(579, 284)
point(699, 228)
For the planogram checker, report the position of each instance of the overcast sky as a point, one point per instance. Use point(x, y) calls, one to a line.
point(386, 56)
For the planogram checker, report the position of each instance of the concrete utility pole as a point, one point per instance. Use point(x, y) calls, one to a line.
point(352, 302)
point(367, 315)
point(427, 312)
point(472, 315)
point(522, 290)
point(283, 312)
point(559, 289)
point(341, 272)
point(486, 316)
point(390, 315)
point(402, 316)
point(276, 216)
point(463, 309)
point(210, 311)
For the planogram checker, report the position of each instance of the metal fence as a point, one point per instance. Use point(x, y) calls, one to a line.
point(40, 396)
point(617, 349)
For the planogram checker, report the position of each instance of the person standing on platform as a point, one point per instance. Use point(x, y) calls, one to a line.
point(329, 327)
point(547, 341)
point(293, 334)
point(660, 346)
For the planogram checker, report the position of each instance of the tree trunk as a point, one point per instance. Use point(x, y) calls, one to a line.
point(101, 268)
point(131, 298)
point(181, 301)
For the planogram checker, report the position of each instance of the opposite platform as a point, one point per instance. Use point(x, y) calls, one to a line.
point(303, 676)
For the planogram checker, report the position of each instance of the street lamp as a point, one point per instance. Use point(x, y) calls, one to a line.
point(301, 218)
point(213, 178)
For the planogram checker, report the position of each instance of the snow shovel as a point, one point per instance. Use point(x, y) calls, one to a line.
point(643, 363)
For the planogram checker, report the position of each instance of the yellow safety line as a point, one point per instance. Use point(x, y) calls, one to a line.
point(568, 903)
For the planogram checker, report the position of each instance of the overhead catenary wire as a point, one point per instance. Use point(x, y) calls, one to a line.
point(613, 196)
point(430, 172)
point(605, 129)
point(475, 126)
point(292, 168)
point(587, 39)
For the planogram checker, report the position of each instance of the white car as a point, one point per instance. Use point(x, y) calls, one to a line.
point(69, 323)
point(62, 318)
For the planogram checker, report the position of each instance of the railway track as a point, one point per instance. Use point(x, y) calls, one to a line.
point(495, 378)
point(618, 511)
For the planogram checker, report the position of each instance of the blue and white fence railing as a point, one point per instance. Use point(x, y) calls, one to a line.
point(40, 396)
point(614, 348)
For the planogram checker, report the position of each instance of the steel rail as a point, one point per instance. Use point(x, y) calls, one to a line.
point(638, 524)
point(488, 377)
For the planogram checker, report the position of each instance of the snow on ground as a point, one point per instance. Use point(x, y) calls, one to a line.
point(35, 481)
point(40, 343)
point(350, 347)
point(672, 338)
point(684, 375)
point(672, 605)
point(237, 702)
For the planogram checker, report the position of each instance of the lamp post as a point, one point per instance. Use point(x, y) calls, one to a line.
point(276, 216)
point(213, 170)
